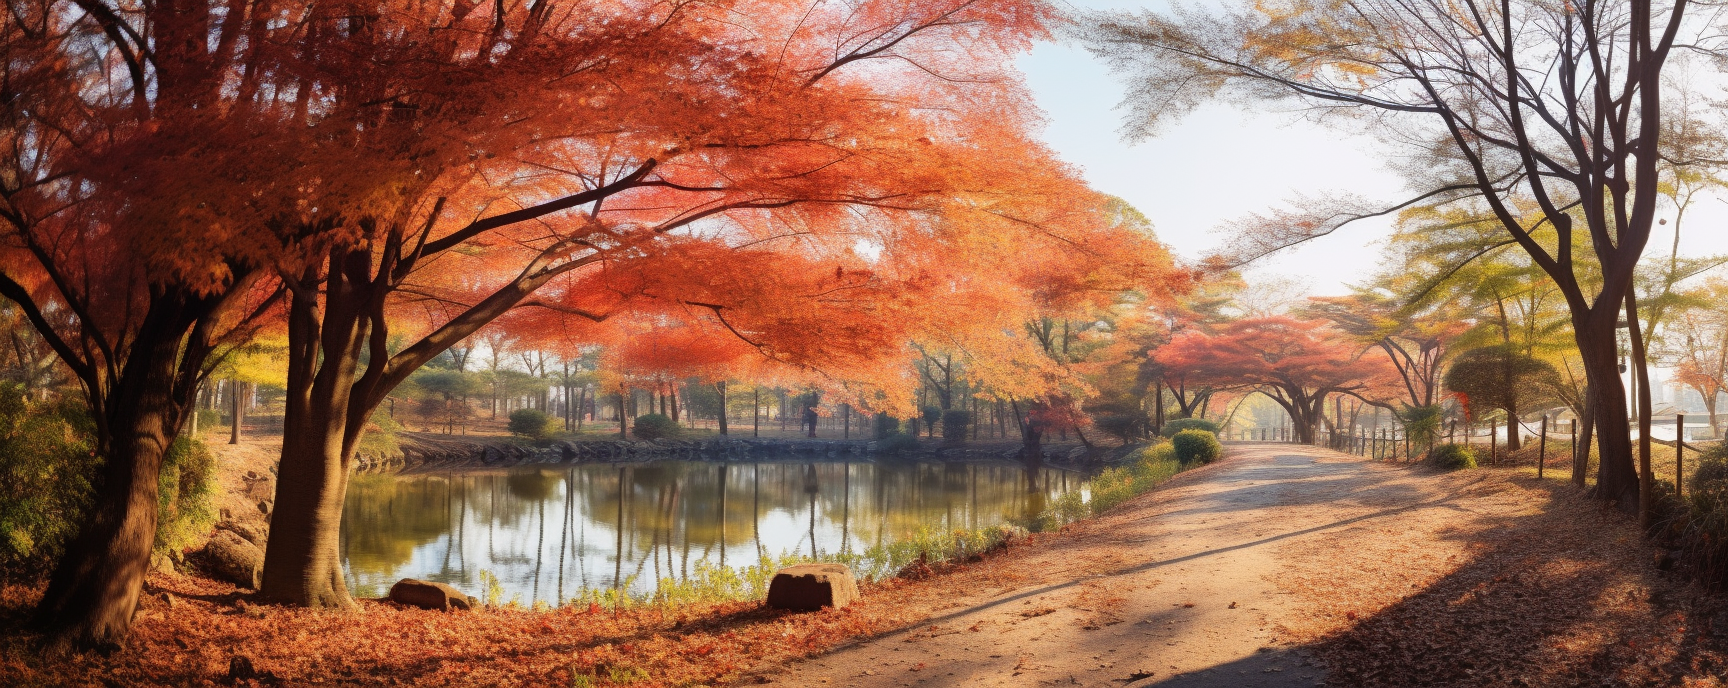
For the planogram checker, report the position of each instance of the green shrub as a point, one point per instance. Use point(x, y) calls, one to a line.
point(896, 443)
point(1453, 457)
point(1697, 527)
point(46, 465)
point(1712, 466)
point(1172, 427)
point(886, 426)
point(954, 425)
point(1196, 446)
point(534, 423)
point(654, 426)
point(209, 418)
point(1142, 471)
point(184, 512)
point(930, 414)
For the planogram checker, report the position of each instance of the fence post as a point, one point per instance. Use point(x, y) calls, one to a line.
point(1542, 458)
point(1679, 453)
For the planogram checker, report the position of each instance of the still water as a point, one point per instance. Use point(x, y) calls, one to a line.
point(549, 532)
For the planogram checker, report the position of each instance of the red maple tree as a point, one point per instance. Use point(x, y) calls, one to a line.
point(1296, 363)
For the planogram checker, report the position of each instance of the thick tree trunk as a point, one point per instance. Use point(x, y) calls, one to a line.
point(94, 589)
point(1512, 438)
point(1616, 477)
point(302, 560)
point(1304, 419)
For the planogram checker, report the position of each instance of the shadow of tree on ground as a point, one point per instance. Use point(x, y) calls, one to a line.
point(1563, 594)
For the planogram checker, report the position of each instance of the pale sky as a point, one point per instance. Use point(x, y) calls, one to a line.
point(1221, 163)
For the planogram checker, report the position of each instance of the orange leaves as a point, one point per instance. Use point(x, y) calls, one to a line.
point(1303, 357)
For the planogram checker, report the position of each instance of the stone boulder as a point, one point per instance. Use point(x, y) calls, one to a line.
point(233, 559)
point(808, 587)
point(429, 595)
point(256, 533)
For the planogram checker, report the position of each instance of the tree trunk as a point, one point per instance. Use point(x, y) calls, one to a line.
point(234, 387)
point(1304, 419)
point(1512, 439)
point(93, 591)
point(302, 559)
point(1158, 409)
point(1616, 478)
point(1641, 376)
point(721, 388)
point(1581, 448)
point(1710, 408)
point(1031, 435)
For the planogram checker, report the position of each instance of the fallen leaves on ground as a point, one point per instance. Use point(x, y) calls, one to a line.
point(1515, 582)
point(212, 627)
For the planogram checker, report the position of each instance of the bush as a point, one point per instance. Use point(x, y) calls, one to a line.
point(1196, 446)
point(896, 443)
point(1712, 466)
point(1180, 424)
point(654, 426)
point(46, 464)
point(533, 423)
point(954, 425)
point(886, 426)
point(183, 509)
point(930, 414)
point(1453, 457)
point(1144, 470)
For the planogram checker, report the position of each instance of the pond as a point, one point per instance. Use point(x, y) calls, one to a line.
point(551, 533)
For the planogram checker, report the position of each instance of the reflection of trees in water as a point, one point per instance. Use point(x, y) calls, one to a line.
point(551, 530)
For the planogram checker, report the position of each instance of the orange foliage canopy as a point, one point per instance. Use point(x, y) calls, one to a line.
point(423, 168)
point(1296, 363)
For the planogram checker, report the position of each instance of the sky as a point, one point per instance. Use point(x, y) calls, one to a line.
point(1221, 163)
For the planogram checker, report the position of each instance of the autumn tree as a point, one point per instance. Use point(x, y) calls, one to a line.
point(493, 152)
point(134, 240)
point(1416, 344)
point(1297, 363)
point(1501, 377)
point(1697, 346)
point(1557, 105)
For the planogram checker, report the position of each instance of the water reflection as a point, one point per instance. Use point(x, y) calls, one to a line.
point(548, 532)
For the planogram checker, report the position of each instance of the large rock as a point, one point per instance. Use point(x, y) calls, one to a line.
point(808, 587)
point(256, 533)
point(233, 559)
point(429, 595)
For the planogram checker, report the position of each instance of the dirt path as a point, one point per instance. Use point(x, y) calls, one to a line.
point(1181, 589)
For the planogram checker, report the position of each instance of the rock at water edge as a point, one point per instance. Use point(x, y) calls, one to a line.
point(429, 595)
point(808, 587)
